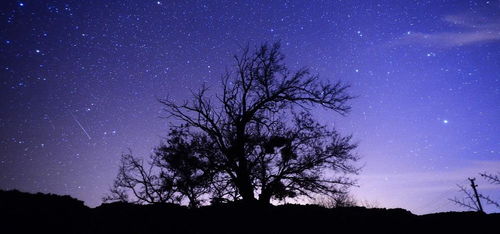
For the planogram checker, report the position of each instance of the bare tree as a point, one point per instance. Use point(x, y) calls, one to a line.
point(258, 136)
point(470, 201)
point(337, 200)
point(174, 173)
point(138, 183)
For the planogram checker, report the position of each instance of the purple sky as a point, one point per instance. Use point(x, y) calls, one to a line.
point(79, 81)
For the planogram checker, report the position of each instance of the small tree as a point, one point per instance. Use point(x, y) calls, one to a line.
point(174, 173)
point(138, 180)
point(469, 200)
point(336, 201)
point(256, 137)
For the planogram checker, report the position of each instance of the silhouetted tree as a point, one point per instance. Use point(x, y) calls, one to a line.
point(173, 173)
point(180, 162)
point(256, 137)
point(470, 202)
point(138, 180)
point(338, 200)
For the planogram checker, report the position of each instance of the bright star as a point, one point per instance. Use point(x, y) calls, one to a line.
point(445, 121)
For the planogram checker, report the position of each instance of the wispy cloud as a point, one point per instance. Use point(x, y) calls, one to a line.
point(468, 30)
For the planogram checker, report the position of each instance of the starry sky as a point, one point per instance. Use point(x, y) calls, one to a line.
point(79, 82)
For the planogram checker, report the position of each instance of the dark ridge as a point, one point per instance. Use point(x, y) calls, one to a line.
point(48, 213)
point(25, 212)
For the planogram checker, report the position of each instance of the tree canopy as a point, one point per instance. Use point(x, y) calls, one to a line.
point(255, 139)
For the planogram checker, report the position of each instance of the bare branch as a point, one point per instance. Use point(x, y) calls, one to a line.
point(468, 201)
point(492, 178)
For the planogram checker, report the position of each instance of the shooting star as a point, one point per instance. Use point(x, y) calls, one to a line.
point(79, 124)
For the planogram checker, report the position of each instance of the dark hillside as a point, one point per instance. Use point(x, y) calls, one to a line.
point(42, 213)
point(25, 212)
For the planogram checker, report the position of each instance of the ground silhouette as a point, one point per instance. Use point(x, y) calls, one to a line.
point(47, 213)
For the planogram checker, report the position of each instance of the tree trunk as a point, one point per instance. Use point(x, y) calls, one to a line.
point(265, 196)
point(247, 193)
point(245, 185)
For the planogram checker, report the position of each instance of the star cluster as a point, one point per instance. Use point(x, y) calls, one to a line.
point(79, 82)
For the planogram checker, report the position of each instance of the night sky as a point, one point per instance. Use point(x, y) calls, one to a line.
point(79, 82)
